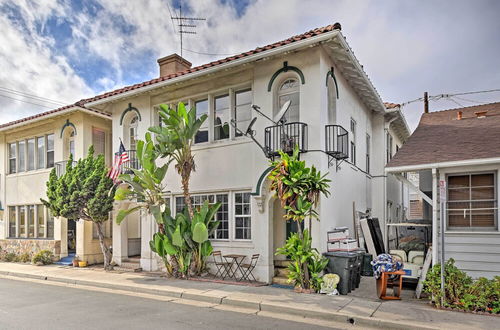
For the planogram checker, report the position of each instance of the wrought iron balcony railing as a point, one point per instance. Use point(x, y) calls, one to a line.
point(132, 163)
point(285, 137)
point(61, 167)
point(336, 143)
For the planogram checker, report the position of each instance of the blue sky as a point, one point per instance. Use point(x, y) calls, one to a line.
point(66, 50)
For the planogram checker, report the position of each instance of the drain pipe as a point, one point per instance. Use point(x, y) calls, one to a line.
point(434, 217)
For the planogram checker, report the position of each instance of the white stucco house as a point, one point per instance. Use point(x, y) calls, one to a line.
point(456, 154)
point(335, 112)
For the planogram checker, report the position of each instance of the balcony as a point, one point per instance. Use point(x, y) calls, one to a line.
point(336, 143)
point(285, 137)
point(61, 167)
point(131, 164)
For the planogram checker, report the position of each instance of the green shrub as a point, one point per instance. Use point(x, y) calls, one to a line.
point(25, 257)
point(44, 257)
point(10, 257)
point(461, 292)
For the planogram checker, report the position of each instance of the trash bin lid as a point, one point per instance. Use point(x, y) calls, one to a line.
point(341, 254)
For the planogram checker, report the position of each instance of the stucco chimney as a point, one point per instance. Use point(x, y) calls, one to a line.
point(459, 115)
point(172, 64)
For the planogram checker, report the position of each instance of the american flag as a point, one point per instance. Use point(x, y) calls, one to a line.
point(120, 157)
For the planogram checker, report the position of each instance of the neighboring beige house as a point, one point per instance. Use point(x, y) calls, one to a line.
point(29, 149)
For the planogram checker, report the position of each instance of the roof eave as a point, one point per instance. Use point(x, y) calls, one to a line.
point(52, 115)
point(437, 165)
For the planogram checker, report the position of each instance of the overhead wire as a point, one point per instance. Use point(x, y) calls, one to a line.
point(37, 104)
point(31, 96)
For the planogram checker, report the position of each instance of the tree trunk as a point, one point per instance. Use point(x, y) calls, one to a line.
point(105, 249)
point(185, 190)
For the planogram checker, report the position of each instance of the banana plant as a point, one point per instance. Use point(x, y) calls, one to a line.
point(185, 244)
point(145, 185)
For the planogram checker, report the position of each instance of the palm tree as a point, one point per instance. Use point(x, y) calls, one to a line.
point(175, 139)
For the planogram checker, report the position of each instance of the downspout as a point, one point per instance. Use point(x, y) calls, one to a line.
point(434, 217)
point(386, 228)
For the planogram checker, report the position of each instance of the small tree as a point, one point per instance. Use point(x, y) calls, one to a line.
point(175, 139)
point(83, 192)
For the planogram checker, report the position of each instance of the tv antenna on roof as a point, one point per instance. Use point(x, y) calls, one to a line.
point(185, 22)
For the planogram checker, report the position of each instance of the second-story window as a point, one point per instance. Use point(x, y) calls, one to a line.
point(389, 147)
point(221, 117)
point(368, 151)
point(50, 150)
point(132, 134)
point(243, 109)
point(289, 91)
point(40, 152)
point(202, 109)
point(31, 154)
point(21, 160)
point(12, 158)
point(353, 141)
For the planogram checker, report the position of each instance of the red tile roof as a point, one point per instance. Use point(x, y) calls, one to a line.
point(441, 137)
point(46, 113)
point(390, 105)
point(307, 35)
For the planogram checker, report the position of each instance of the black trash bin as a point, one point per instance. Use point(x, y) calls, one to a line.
point(359, 266)
point(344, 265)
point(367, 269)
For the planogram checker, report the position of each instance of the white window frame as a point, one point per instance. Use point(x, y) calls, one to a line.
point(214, 117)
point(279, 93)
point(353, 148)
point(495, 202)
point(50, 151)
point(248, 216)
point(12, 157)
point(39, 154)
point(368, 152)
point(17, 226)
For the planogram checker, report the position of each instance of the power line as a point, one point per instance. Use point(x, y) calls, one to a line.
point(450, 96)
point(210, 54)
point(40, 105)
point(31, 96)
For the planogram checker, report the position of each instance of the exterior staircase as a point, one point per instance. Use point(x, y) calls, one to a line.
point(131, 264)
point(66, 261)
point(281, 272)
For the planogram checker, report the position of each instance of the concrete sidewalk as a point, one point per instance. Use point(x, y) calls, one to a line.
point(346, 310)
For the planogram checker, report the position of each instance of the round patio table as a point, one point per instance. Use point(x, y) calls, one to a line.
point(234, 260)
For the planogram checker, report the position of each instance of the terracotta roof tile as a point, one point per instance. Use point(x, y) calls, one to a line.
point(441, 137)
point(299, 37)
point(46, 113)
point(390, 105)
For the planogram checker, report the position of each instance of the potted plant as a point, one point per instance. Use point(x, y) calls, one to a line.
point(82, 264)
point(75, 261)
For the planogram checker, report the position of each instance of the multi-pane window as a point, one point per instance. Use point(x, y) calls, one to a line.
point(50, 150)
point(353, 141)
point(12, 158)
point(40, 152)
point(289, 91)
point(12, 221)
point(242, 216)
point(243, 109)
point(21, 213)
point(368, 152)
point(202, 109)
point(50, 223)
point(21, 156)
point(389, 147)
point(234, 213)
point(99, 141)
point(472, 201)
point(221, 117)
point(40, 221)
point(31, 154)
point(30, 221)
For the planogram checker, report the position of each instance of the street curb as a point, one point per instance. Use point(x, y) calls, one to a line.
point(258, 306)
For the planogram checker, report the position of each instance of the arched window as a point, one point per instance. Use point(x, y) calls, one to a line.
point(130, 130)
point(332, 100)
point(69, 142)
point(289, 90)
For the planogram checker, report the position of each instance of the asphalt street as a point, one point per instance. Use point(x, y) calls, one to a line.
point(28, 305)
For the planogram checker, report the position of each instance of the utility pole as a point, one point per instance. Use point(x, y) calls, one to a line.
point(426, 102)
point(185, 22)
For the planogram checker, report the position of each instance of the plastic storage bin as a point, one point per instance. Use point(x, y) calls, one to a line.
point(344, 265)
